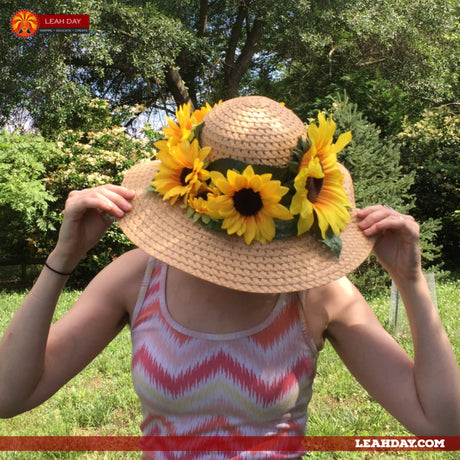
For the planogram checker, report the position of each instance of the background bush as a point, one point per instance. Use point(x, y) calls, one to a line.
point(431, 150)
point(39, 176)
point(382, 175)
point(24, 198)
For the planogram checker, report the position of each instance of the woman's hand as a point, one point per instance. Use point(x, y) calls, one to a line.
point(87, 216)
point(397, 246)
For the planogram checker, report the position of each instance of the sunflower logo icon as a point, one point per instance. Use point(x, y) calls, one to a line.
point(24, 23)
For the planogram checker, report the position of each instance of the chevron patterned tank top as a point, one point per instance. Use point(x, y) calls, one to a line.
point(255, 382)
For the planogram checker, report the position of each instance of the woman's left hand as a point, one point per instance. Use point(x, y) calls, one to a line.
point(397, 243)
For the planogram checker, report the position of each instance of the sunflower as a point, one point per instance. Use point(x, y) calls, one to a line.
point(248, 204)
point(177, 132)
point(199, 201)
point(322, 195)
point(182, 171)
point(300, 203)
point(321, 138)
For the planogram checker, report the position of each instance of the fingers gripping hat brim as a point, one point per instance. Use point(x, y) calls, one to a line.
point(282, 265)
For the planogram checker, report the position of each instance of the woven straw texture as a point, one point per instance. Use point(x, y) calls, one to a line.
point(255, 130)
point(284, 265)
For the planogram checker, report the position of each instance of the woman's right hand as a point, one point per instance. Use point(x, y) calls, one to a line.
point(88, 214)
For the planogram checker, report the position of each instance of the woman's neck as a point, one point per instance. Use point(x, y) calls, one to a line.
point(207, 307)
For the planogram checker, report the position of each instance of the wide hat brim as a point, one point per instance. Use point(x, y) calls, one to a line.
point(289, 264)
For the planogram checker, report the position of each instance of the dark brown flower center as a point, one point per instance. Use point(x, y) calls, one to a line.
point(247, 202)
point(203, 195)
point(314, 186)
point(185, 172)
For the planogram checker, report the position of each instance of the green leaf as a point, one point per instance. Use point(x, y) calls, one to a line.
point(212, 224)
point(293, 167)
point(196, 132)
point(222, 165)
point(205, 219)
point(302, 147)
point(333, 242)
point(285, 228)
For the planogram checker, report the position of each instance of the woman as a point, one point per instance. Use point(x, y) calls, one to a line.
point(230, 300)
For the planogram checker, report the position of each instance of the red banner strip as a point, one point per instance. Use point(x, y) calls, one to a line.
point(298, 444)
point(63, 21)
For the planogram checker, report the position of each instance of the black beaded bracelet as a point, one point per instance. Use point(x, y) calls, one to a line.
point(56, 271)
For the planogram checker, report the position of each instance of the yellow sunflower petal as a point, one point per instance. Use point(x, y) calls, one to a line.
point(238, 181)
point(266, 227)
point(323, 222)
point(273, 188)
point(221, 183)
point(234, 224)
point(343, 140)
point(296, 204)
point(278, 211)
point(251, 230)
point(306, 218)
point(249, 171)
point(255, 182)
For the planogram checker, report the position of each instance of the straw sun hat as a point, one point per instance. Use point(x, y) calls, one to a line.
point(255, 131)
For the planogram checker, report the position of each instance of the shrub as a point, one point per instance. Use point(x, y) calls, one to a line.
point(89, 159)
point(36, 177)
point(24, 200)
point(431, 150)
point(379, 178)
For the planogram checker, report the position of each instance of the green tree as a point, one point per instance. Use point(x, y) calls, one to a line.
point(24, 200)
point(136, 53)
point(379, 178)
point(98, 155)
point(393, 57)
point(431, 151)
point(36, 177)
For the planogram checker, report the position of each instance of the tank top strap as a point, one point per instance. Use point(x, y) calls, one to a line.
point(152, 279)
point(303, 321)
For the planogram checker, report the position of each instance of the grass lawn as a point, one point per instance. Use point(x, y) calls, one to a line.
point(101, 401)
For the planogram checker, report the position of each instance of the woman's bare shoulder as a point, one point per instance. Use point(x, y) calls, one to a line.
point(325, 305)
point(132, 261)
point(123, 277)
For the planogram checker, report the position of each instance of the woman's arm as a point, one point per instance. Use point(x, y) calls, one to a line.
point(424, 393)
point(31, 358)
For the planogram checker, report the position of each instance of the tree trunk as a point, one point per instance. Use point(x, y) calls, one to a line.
point(234, 69)
point(177, 87)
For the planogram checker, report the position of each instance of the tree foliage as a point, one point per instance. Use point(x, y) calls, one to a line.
point(397, 60)
point(391, 56)
point(431, 151)
point(36, 177)
point(137, 53)
point(24, 200)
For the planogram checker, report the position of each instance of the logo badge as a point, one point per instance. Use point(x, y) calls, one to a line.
point(24, 23)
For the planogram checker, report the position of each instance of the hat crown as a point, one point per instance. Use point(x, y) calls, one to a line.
point(252, 129)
